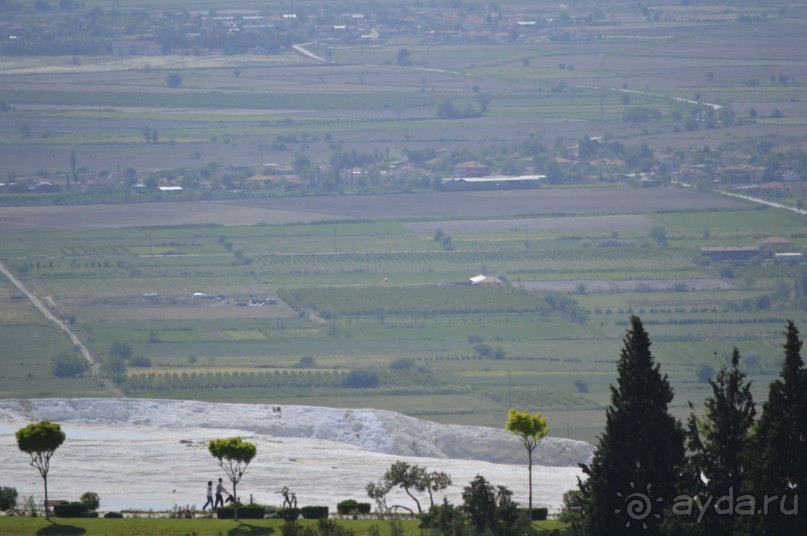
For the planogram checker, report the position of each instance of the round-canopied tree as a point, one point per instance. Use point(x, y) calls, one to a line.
point(234, 456)
point(40, 440)
point(408, 477)
point(531, 429)
point(91, 500)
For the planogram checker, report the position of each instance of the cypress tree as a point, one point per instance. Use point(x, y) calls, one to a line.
point(717, 442)
point(778, 460)
point(632, 476)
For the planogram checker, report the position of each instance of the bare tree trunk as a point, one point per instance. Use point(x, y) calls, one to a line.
point(420, 510)
point(529, 456)
point(45, 478)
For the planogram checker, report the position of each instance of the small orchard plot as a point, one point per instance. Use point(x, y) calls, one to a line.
point(450, 299)
point(402, 382)
point(620, 222)
point(160, 381)
point(544, 398)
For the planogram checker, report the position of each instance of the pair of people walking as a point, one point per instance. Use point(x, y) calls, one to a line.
point(220, 491)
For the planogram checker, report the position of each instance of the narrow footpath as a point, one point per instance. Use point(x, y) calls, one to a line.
point(94, 365)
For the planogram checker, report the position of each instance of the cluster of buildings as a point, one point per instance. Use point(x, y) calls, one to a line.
point(773, 247)
point(40, 187)
point(211, 31)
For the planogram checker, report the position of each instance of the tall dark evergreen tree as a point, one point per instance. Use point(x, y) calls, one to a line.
point(717, 443)
point(632, 476)
point(778, 461)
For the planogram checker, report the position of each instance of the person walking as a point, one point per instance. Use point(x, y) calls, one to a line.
point(209, 495)
point(219, 494)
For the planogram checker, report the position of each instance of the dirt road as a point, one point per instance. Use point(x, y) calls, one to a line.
point(94, 365)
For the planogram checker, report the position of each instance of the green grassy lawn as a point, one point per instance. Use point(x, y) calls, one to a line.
point(13, 526)
point(23, 526)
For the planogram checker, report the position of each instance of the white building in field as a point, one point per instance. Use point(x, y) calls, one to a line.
point(485, 280)
point(492, 183)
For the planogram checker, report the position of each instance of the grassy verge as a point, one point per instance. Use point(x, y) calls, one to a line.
point(19, 526)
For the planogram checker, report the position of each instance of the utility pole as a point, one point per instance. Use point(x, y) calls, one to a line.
point(509, 390)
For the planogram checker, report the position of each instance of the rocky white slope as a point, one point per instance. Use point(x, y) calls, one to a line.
point(152, 453)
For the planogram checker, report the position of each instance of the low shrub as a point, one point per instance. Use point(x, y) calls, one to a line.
point(333, 528)
point(539, 513)
point(8, 498)
point(113, 515)
point(444, 518)
point(314, 512)
point(361, 379)
point(252, 511)
point(27, 508)
point(288, 514)
point(348, 506)
point(71, 509)
point(91, 500)
point(323, 526)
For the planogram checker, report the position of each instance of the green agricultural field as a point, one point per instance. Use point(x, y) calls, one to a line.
point(415, 300)
point(282, 313)
point(248, 272)
point(726, 226)
point(28, 344)
point(273, 295)
point(547, 85)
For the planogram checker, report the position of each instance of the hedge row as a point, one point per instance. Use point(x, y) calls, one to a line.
point(314, 512)
point(351, 506)
point(244, 512)
point(71, 509)
point(538, 513)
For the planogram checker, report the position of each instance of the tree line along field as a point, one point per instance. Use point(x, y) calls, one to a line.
point(288, 312)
